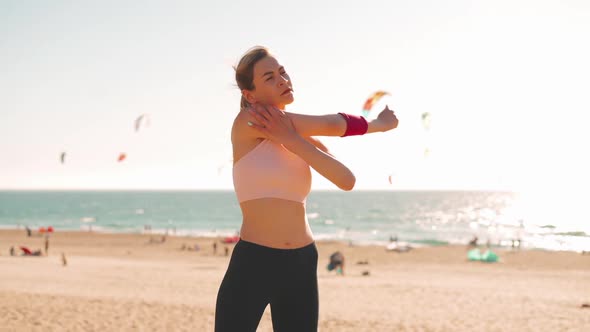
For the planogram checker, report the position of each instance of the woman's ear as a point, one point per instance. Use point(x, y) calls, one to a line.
point(249, 96)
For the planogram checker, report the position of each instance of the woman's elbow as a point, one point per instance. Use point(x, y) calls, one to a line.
point(348, 183)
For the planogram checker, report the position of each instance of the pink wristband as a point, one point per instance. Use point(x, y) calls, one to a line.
point(355, 125)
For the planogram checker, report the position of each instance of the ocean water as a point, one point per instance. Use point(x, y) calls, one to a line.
point(363, 217)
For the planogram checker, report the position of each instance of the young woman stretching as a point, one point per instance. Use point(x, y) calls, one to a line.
point(275, 260)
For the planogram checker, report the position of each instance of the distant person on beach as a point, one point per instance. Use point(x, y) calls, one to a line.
point(517, 242)
point(215, 247)
point(29, 232)
point(336, 263)
point(473, 242)
point(275, 259)
point(46, 244)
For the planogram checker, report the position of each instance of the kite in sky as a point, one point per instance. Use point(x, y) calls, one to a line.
point(374, 98)
point(142, 121)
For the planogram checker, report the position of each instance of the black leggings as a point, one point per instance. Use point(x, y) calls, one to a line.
point(259, 275)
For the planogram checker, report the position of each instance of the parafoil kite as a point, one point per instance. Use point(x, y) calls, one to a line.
point(122, 157)
point(372, 100)
point(142, 121)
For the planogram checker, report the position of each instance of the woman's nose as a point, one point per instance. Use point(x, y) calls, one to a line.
point(282, 81)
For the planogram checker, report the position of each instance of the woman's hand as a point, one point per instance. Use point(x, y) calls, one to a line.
point(385, 121)
point(274, 123)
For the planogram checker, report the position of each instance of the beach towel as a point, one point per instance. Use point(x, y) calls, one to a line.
point(26, 250)
point(231, 239)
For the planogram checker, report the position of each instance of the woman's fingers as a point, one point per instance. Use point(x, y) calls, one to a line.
point(388, 117)
point(257, 112)
point(266, 114)
point(266, 111)
point(257, 117)
point(269, 117)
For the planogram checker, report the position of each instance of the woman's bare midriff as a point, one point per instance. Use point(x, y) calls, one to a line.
point(271, 222)
point(275, 223)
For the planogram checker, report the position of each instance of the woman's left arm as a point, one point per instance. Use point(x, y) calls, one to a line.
point(334, 124)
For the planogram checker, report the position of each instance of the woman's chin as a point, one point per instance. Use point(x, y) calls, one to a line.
point(288, 99)
point(282, 103)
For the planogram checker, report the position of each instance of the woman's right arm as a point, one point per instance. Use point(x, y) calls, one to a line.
point(323, 163)
point(277, 126)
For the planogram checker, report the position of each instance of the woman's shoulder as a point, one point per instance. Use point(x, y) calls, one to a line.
point(243, 137)
point(241, 130)
point(240, 123)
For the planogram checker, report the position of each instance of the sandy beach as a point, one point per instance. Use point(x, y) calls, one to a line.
point(126, 282)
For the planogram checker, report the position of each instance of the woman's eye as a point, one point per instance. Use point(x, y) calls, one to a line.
point(268, 79)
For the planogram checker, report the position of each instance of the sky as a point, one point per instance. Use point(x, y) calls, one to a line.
point(506, 84)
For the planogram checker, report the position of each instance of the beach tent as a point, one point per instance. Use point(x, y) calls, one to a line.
point(488, 256)
point(474, 255)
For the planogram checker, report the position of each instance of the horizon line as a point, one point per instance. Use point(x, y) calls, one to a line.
point(232, 190)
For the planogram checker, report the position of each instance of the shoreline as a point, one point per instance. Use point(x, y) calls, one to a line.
point(84, 242)
point(199, 234)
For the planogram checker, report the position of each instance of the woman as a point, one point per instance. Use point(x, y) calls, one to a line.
point(275, 260)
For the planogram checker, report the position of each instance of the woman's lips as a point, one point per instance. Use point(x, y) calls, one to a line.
point(286, 92)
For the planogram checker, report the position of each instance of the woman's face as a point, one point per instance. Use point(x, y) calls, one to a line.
point(272, 84)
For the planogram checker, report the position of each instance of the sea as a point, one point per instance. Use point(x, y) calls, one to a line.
point(421, 218)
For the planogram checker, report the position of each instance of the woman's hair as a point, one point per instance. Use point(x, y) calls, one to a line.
point(245, 70)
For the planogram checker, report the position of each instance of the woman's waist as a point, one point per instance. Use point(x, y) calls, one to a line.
point(283, 232)
point(276, 239)
point(275, 223)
